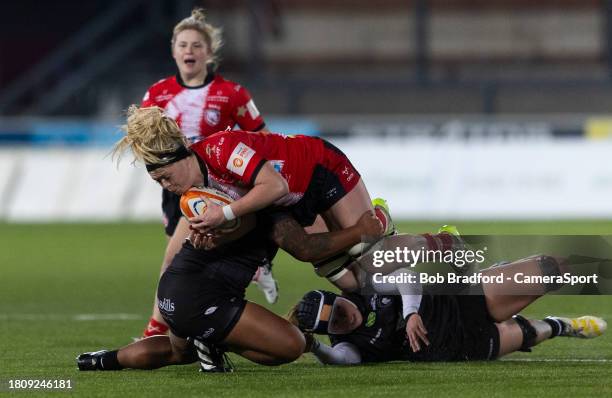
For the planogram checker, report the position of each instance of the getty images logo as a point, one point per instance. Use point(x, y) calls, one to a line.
point(166, 305)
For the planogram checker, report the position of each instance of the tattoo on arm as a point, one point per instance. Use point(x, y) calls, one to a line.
point(291, 237)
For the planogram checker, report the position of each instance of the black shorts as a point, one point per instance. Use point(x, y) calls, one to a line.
point(459, 329)
point(330, 181)
point(202, 295)
point(171, 210)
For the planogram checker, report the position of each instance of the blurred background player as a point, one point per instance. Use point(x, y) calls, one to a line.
point(202, 102)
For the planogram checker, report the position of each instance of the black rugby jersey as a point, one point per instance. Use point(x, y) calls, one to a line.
point(382, 333)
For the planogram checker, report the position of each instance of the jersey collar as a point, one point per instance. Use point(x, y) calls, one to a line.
point(210, 76)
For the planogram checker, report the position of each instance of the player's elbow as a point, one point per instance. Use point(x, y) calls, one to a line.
point(309, 256)
point(281, 188)
point(303, 255)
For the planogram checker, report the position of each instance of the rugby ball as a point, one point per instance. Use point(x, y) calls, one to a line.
point(193, 204)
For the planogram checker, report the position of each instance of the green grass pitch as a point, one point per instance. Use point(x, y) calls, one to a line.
point(57, 281)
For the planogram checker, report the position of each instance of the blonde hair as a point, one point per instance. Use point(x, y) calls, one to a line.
point(149, 133)
point(197, 22)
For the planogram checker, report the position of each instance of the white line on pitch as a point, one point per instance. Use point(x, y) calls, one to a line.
point(554, 360)
point(71, 317)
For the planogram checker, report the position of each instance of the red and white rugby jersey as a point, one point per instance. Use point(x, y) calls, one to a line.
point(235, 157)
point(200, 111)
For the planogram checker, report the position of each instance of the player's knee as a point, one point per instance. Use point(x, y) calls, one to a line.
point(293, 346)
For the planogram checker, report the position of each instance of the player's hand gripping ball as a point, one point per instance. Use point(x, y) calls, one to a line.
point(193, 204)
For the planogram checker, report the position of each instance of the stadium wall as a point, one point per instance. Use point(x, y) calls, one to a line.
point(422, 178)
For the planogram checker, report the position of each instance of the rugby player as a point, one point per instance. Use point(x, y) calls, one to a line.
point(201, 297)
point(202, 102)
point(158, 351)
point(423, 327)
point(307, 175)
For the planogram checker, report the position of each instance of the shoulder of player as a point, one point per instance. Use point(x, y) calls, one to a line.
point(164, 83)
point(219, 139)
point(229, 87)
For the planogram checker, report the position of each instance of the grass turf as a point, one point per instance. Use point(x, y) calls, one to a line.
point(55, 278)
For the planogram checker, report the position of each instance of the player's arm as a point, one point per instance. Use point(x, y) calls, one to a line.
point(245, 113)
point(291, 237)
point(343, 353)
point(268, 186)
point(251, 169)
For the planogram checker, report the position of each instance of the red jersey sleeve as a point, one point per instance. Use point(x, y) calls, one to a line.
point(235, 157)
point(245, 113)
point(147, 100)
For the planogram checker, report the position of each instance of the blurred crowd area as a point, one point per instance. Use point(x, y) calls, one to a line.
point(316, 57)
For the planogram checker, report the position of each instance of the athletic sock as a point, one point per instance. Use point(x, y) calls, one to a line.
point(257, 274)
point(382, 217)
point(556, 325)
point(109, 361)
point(154, 328)
point(442, 241)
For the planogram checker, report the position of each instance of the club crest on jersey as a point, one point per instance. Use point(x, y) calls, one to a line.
point(212, 116)
point(239, 160)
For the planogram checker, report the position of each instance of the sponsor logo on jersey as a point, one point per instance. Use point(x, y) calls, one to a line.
point(240, 158)
point(163, 98)
point(166, 305)
point(377, 336)
point(331, 193)
point(253, 112)
point(218, 98)
point(207, 333)
point(210, 310)
point(385, 300)
point(277, 164)
point(348, 173)
point(371, 319)
point(212, 116)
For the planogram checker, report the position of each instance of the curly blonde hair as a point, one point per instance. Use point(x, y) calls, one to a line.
point(149, 133)
point(211, 34)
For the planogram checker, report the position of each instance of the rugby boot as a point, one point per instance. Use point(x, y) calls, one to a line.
point(212, 358)
point(264, 279)
point(91, 360)
point(585, 327)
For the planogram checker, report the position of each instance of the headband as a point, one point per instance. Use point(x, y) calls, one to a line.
point(169, 157)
